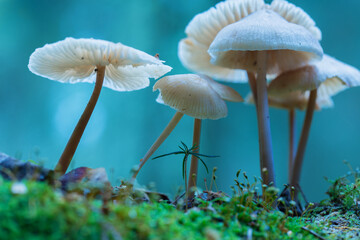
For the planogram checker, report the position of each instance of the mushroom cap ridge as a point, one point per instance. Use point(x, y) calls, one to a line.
point(75, 60)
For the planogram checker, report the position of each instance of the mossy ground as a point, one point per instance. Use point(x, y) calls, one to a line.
point(340, 213)
point(43, 212)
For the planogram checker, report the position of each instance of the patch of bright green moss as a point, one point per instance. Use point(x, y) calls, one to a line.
point(340, 214)
point(44, 213)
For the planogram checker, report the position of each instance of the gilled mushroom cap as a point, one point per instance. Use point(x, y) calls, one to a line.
point(191, 95)
point(289, 45)
point(202, 30)
point(295, 100)
point(298, 80)
point(299, 98)
point(75, 60)
point(335, 74)
point(204, 27)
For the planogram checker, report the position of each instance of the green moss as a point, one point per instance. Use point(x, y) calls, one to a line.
point(44, 213)
point(340, 213)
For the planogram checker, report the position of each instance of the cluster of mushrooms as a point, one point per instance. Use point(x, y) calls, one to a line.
point(274, 47)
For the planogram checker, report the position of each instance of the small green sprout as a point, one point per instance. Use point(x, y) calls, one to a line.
point(187, 152)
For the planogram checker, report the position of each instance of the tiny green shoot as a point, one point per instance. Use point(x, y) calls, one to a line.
point(187, 152)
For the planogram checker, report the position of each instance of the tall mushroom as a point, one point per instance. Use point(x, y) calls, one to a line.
point(204, 27)
point(327, 78)
point(264, 43)
point(108, 64)
point(195, 96)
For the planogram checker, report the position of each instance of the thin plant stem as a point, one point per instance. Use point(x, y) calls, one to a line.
point(185, 178)
point(265, 144)
point(296, 172)
point(292, 141)
point(172, 124)
point(252, 83)
point(74, 140)
point(194, 160)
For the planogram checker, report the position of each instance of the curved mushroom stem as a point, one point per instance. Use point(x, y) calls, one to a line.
point(295, 178)
point(194, 161)
point(74, 140)
point(292, 141)
point(252, 83)
point(265, 144)
point(172, 124)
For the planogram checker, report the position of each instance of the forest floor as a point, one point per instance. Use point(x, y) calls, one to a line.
point(83, 205)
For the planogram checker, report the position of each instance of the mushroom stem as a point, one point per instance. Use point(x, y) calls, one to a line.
point(292, 142)
point(252, 83)
point(194, 161)
point(74, 140)
point(302, 142)
point(172, 124)
point(265, 144)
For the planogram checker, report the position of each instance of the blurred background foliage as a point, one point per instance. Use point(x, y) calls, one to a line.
point(38, 115)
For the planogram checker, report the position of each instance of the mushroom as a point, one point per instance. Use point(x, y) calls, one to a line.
point(204, 27)
point(108, 64)
point(325, 78)
point(196, 96)
point(265, 43)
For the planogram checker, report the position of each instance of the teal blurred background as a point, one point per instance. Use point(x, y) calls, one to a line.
point(38, 115)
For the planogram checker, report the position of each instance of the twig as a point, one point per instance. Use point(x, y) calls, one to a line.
point(313, 233)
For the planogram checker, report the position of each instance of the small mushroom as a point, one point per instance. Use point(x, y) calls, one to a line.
point(108, 64)
point(193, 95)
point(265, 43)
point(323, 79)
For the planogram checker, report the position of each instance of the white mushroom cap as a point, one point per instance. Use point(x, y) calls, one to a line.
point(289, 46)
point(299, 98)
point(202, 30)
point(335, 74)
point(329, 76)
point(301, 79)
point(295, 100)
point(204, 27)
point(191, 95)
point(75, 60)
